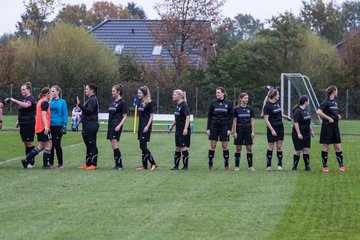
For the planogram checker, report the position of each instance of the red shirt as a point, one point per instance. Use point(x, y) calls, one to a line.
point(41, 106)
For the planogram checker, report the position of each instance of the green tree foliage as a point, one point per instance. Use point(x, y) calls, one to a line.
point(324, 18)
point(129, 70)
point(318, 59)
point(68, 56)
point(7, 63)
point(350, 49)
point(135, 11)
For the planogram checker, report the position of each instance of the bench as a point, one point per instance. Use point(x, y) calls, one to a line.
point(159, 120)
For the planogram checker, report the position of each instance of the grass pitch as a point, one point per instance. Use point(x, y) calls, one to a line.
point(105, 204)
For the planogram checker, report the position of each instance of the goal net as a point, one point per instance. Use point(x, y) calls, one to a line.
point(293, 85)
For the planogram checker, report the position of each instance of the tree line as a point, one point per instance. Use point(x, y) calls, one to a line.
point(242, 53)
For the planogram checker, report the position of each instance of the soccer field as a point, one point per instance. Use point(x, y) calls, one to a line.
point(74, 203)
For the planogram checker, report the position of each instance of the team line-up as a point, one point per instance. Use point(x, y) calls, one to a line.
point(49, 116)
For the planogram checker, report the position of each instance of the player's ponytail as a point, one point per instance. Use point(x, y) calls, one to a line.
point(301, 101)
point(44, 91)
point(119, 88)
point(270, 95)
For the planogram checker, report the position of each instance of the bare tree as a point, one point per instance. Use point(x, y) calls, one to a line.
point(185, 29)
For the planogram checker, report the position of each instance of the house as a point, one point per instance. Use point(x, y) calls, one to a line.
point(134, 37)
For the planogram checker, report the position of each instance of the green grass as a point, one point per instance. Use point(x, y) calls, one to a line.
point(106, 204)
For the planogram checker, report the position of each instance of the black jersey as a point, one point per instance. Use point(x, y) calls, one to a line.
point(144, 113)
point(116, 111)
point(243, 117)
point(330, 108)
point(303, 118)
point(220, 114)
point(182, 110)
point(27, 115)
point(90, 110)
point(274, 112)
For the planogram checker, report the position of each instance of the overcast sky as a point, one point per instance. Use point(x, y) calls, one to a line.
point(262, 9)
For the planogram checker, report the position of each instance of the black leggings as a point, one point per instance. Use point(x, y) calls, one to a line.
point(89, 136)
point(56, 144)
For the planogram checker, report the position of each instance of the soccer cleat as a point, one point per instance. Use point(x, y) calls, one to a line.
point(30, 165)
point(210, 167)
point(24, 163)
point(325, 169)
point(294, 169)
point(153, 167)
point(307, 168)
point(47, 167)
point(51, 166)
point(251, 169)
point(269, 169)
point(184, 168)
point(237, 169)
point(141, 168)
point(342, 169)
point(227, 168)
point(175, 168)
point(60, 166)
point(91, 167)
point(279, 168)
point(83, 166)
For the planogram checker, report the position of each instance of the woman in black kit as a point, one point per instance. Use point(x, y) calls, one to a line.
point(330, 132)
point(219, 124)
point(183, 130)
point(302, 132)
point(244, 130)
point(146, 115)
point(117, 117)
point(26, 119)
point(275, 128)
point(90, 110)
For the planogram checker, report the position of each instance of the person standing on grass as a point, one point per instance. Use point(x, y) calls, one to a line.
point(26, 119)
point(183, 130)
point(58, 123)
point(146, 115)
point(244, 130)
point(219, 124)
point(330, 132)
point(302, 132)
point(90, 126)
point(42, 130)
point(271, 111)
point(1, 114)
point(117, 117)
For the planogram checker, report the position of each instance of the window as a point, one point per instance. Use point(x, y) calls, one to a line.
point(157, 50)
point(118, 49)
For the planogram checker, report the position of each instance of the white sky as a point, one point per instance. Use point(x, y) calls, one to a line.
point(262, 9)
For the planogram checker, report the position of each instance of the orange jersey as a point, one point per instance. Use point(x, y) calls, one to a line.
point(42, 105)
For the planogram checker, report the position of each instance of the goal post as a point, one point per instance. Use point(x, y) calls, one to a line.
point(293, 85)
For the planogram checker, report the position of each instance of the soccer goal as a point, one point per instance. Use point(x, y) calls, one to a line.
point(297, 85)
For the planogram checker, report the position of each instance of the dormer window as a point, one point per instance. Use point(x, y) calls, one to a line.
point(157, 50)
point(118, 49)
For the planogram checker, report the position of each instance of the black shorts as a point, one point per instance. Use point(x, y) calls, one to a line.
point(279, 134)
point(182, 141)
point(330, 133)
point(42, 137)
point(219, 133)
point(243, 138)
point(300, 144)
point(27, 132)
point(112, 134)
point(144, 136)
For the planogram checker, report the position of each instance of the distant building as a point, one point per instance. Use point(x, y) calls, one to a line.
point(133, 37)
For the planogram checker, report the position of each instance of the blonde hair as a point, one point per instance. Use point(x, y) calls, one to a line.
point(181, 93)
point(119, 88)
point(57, 89)
point(147, 95)
point(270, 95)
